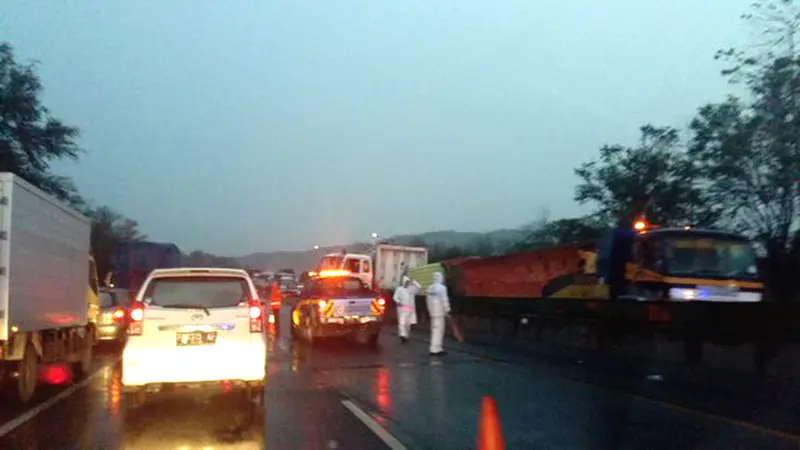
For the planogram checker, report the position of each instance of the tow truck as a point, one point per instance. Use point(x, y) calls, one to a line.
point(337, 303)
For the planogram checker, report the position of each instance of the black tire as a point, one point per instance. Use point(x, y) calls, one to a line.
point(308, 331)
point(256, 394)
point(83, 366)
point(25, 384)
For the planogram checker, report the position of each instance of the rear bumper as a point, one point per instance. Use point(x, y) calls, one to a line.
point(147, 366)
point(342, 329)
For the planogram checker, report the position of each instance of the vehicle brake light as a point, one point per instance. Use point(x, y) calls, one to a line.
point(381, 301)
point(256, 317)
point(119, 314)
point(137, 316)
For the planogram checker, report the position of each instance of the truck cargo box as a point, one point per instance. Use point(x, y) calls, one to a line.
point(44, 260)
point(394, 261)
point(516, 275)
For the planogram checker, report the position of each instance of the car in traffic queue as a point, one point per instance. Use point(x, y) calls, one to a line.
point(113, 315)
point(195, 328)
point(338, 304)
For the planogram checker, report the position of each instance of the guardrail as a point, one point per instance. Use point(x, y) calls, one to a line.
point(765, 325)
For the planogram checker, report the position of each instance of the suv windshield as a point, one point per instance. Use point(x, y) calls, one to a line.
point(711, 256)
point(339, 287)
point(203, 292)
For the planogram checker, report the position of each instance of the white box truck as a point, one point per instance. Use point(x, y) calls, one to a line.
point(382, 271)
point(48, 286)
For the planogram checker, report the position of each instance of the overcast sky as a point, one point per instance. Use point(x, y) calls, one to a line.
point(240, 126)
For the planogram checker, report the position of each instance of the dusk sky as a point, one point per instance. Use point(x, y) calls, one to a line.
point(241, 126)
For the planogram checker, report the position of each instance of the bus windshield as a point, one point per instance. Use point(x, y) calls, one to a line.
point(711, 257)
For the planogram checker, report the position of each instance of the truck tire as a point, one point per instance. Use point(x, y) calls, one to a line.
point(27, 368)
point(84, 364)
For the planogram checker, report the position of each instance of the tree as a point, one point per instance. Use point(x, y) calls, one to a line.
point(558, 232)
point(30, 138)
point(417, 241)
point(749, 150)
point(109, 228)
point(482, 246)
point(440, 252)
point(202, 259)
point(656, 178)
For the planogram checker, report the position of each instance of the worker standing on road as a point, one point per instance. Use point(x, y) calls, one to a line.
point(405, 297)
point(438, 309)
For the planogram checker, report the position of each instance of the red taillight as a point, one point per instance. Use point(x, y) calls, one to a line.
point(381, 302)
point(137, 316)
point(56, 374)
point(119, 314)
point(256, 317)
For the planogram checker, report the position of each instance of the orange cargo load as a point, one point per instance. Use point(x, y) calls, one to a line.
point(516, 275)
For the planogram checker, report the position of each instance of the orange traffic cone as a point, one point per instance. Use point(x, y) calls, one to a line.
point(490, 432)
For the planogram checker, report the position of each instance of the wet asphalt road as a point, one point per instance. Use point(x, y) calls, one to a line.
point(324, 397)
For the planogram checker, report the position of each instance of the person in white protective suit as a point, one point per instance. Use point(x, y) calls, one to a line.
point(404, 297)
point(438, 309)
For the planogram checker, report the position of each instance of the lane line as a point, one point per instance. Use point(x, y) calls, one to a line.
point(29, 414)
point(752, 426)
point(374, 426)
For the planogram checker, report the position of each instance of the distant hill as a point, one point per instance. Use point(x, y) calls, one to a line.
point(451, 238)
point(303, 260)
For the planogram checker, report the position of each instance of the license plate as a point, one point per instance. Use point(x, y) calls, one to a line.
point(196, 338)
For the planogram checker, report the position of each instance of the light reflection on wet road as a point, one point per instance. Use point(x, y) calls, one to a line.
point(424, 403)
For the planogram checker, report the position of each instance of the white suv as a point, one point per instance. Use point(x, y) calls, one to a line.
point(195, 327)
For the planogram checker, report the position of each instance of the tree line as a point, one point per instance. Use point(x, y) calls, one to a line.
point(31, 139)
point(738, 170)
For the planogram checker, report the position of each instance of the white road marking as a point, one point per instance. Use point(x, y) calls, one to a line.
point(14, 423)
point(375, 427)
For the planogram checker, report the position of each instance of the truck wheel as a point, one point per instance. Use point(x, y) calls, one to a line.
point(256, 394)
point(25, 385)
point(308, 331)
point(84, 364)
